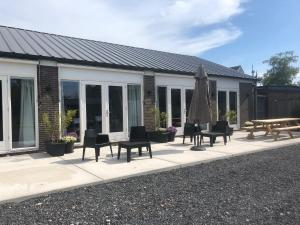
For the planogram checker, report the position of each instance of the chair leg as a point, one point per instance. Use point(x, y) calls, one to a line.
point(225, 139)
point(119, 151)
point(111, 152)
point(128, 154)
point(211, 140)
point(97, 153)
point(140, 151)
point(191, 138)
point(150, 151)
point(83, 153)
point(183, 139)
point(201, 139)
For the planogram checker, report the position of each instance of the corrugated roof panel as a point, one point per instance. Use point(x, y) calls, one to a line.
point(31, 43)
point(13, 45)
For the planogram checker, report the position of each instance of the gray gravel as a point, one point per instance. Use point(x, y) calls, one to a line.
point(261, 188)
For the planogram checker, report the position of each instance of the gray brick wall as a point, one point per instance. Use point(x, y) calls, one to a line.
point(48, 97)
point(149, 102)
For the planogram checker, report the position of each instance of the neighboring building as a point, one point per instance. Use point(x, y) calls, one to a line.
point(238, 68)
point(112, 87)
point(278, 101)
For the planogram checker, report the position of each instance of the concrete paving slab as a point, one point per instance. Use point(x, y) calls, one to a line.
point(31, 174)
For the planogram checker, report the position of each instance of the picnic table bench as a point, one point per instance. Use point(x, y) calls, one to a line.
point(271, 126)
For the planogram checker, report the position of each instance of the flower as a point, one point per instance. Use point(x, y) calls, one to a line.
point(172, 129)
point(68, 139)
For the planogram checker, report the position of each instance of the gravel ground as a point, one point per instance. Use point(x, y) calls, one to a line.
point(261, 188)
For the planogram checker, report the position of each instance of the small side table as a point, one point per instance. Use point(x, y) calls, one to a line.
point(212, 137)
point(130, 145)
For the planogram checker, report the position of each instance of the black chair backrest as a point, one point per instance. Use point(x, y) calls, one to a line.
point(90, 137)
point(189, 129)
point(138, 134)
point(221, 126)
point(102, 139)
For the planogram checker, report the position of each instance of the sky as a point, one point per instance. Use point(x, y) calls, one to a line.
point(228, 32)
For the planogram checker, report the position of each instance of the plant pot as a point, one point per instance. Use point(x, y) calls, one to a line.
point(171, 136)
point(55, 149)
point(160, 137)
point(69, 147)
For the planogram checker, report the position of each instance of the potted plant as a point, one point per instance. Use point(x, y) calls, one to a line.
point(171, 133)
point(232, 116)
point(69, 140)
point(55, 146)
point(160, 134)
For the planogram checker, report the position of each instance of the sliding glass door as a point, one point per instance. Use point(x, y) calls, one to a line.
point(22, 113)
point(162, 103)
point(222, 105)
point(176, 107)
point(115, 96)
point(93, 99)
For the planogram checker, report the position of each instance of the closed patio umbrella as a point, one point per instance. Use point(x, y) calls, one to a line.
point(200, 111)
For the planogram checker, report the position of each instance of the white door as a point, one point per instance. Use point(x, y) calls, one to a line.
point(176, 108)
point(4, 133)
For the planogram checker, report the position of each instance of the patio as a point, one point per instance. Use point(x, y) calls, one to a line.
point(33, 174)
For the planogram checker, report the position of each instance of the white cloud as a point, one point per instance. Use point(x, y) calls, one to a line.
point(183, 26)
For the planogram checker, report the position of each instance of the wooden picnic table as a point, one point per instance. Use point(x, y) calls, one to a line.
point(271, 126)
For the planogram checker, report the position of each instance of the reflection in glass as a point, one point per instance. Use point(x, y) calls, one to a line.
point(162, 102)
point(222, 105)
point(188, 100)
point(176, 107)
point(70, 101)
point(134, 105)
point(23, 113)
point(115, 108)
point(93, 107)
point(233, 104)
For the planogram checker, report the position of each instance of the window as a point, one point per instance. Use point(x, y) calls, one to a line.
point(162, 103)
point(176, 107)
point(93, 107)
point(233, 107)
point(134, 105)
point(188, 100)
point(222, 105)
point(23, 113)
point(115, 108)
point(70, 101)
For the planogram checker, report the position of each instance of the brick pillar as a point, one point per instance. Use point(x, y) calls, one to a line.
point(48, 97)
point(149, 102)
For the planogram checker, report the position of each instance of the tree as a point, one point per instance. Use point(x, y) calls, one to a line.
point(282, 71)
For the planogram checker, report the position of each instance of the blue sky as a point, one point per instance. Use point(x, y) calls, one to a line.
point(268, 27)
point(229, 32)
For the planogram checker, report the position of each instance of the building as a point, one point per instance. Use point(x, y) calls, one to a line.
point(112, 87)
point(278, 101)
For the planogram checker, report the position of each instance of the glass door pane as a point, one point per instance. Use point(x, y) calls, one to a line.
point(134, 105)
point(176, 107)
point(23, 113)
point(1, 113)
point(162, 103)
point(233, 107)
point(93, 107)
point(115, 108)
point(70, 101)
point(222, 105)
point(188, 100)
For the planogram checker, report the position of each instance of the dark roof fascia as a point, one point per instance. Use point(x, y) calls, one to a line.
point(233, 77)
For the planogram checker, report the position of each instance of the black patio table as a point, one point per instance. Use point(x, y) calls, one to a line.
point(128, 145)
point(212, 136)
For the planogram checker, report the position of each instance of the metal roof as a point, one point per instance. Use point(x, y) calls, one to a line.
point(27, 44)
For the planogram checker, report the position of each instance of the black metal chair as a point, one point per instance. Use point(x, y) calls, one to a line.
point(137, 139)
point(96, 141)
point(223, 126)
point(189, 130)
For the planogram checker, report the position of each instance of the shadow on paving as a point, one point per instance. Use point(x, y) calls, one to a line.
point(260, 188)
